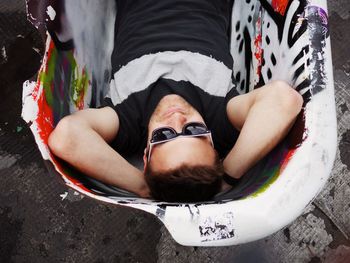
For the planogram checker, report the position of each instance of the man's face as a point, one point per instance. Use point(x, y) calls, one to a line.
point(173, 111)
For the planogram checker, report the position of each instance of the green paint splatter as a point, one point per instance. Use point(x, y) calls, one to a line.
point(79, 82)
point(275, 173)
point(47, 78)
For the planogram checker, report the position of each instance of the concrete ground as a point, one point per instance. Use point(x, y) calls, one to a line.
point(36, 225)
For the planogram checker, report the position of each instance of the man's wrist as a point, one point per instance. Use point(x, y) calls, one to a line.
point(230, 180)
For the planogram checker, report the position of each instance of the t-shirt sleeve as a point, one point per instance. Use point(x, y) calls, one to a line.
point(128, 139)
point(232, 93)
point(224, 134)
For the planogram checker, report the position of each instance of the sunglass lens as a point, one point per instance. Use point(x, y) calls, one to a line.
point(196, 128)
point(163, 134)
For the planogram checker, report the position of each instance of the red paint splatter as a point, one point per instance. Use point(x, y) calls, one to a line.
point(44, 119)
point(286, 160)
point(280, 6)
point(258, 50)
point(258, 53)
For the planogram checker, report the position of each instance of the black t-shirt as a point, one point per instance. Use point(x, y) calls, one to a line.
point(150, 27)
point(132, 134)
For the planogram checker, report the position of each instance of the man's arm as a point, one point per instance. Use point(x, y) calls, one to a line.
point(264, 117)
point(81, 139)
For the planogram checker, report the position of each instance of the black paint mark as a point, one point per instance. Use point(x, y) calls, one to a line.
point(238, 25)
point(243, 84)
point(318, 31)
point(238, 76)
point(240, 46)
point(344, 148)
point(332, 192)
point(273, 59)
point(248, 56)
point(343, 108)
point(307, 96)
point(292, 39)
point(301, 54)
point(286, 232)
point(299, 71)
point(315, 260)
point(269, 74)
point(216, 232)
point(193, 213)
point(304, 84)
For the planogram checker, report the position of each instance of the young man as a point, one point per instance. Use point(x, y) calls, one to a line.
point(172, 94)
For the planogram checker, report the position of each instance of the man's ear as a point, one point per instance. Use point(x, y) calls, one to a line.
point(144, 159)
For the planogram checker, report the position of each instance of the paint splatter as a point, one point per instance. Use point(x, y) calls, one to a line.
point(51, 12)
point(280, 6)
point(318, 33)
point(64, 195)
point(3, 54)
point(217, 228)
point(258, 49)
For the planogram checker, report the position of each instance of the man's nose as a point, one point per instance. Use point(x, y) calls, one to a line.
point(178, 121)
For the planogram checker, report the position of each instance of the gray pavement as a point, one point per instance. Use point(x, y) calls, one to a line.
point(36, 225)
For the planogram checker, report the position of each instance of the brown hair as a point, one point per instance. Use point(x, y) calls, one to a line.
point(186, 183)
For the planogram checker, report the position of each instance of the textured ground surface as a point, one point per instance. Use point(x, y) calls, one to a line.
point(36, 225)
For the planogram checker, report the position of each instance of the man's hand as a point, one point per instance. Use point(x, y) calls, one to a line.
point(264, 117)
point(81, 139)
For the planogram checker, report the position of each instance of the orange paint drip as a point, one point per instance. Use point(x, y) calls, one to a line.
point(280, 6)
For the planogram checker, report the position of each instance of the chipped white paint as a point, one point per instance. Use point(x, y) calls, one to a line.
point(71, 196)
point(29, 114)
point(3, 53)
point(64, 195)
point(51, 12)
point(36, 50)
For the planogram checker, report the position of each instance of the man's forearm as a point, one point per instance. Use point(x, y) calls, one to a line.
point(90, 154)
point(265, 126)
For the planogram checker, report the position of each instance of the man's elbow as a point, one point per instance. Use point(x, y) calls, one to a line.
point(62, 139)
point(288, 98)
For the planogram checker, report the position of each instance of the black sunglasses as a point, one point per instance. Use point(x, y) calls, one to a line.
point(165, 134)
